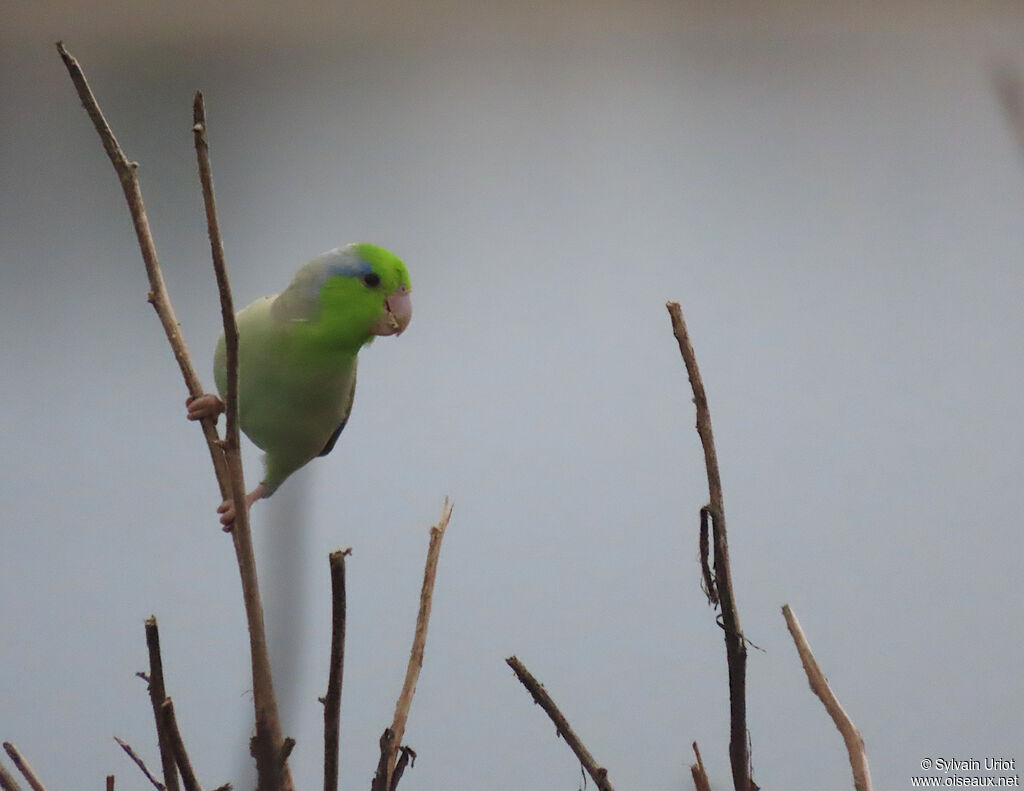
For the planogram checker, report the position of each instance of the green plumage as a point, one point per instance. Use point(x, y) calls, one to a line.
point(298, 350)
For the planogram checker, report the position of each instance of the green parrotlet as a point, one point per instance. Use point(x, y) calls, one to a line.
point(297, 354)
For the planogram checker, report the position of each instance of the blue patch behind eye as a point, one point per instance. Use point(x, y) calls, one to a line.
point(348, 266)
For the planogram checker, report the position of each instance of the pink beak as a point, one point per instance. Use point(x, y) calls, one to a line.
point(399, 313)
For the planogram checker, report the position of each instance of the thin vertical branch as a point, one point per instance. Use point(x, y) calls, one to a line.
point(157, 696)
point(227, 308)
point(23, 767)
point(819, 685)
point(110, 783)
point(170, 724)
point(332, 700)
point(390, 742)
point(735, 647)
point(543, 699)
point(273, 774)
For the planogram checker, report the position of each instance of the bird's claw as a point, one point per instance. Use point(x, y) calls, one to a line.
point(204, 406)
point(227, 508)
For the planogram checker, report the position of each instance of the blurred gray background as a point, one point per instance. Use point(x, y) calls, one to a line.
point(833, 193)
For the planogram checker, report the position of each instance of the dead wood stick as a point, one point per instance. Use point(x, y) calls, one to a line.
point(819, 685)
point(23, 767)
point(110, 783)
point(139, 763)
point(562, 727)
point(332, 700)
point(170, 725)
point(7, 781)
point(735, 646)
point(157, 696)
point(272, 772)
point(229, 476)
point(700, 776)
point(157, 297)
point(419, 641)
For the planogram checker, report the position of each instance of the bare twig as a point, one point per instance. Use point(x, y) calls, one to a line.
point(419, 641)
point(735, 647)
point(157, 696)
point(170, 726)
point(157, 297)
point(700, 777)
point(819, 685)
point(139, 763)
point(543, 699)
point(110, 783)
point(332, 700)
point(7, 781)
point(229, 476)
point(23, 767)
point(272, 773)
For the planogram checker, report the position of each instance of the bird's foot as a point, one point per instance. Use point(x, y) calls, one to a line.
point(206, 405)
point(227, 508)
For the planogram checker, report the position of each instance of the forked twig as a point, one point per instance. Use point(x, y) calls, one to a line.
point(543, 699)
point(23, 767)
point(332, 700)
point(227, 465)
point(735, 647)
point(391, 740)
point(819, 685)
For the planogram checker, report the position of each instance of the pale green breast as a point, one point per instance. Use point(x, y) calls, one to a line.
point(293, 393)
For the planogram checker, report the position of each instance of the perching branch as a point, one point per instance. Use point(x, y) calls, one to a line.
point(23, 767)
point(267, 745)
point(227, 465)
point(157, 297)
point(735, 647)
point(332, 700)
point(385, 781)
point(819, 685)
point(139, 763)
point(157, 696)
point(543, 699)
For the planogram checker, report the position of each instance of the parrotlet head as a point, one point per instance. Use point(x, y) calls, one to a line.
point(357, 291)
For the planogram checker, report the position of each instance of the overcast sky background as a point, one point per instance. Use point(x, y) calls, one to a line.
point(832, 192)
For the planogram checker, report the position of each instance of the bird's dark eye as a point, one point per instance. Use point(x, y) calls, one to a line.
point(371, 280)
